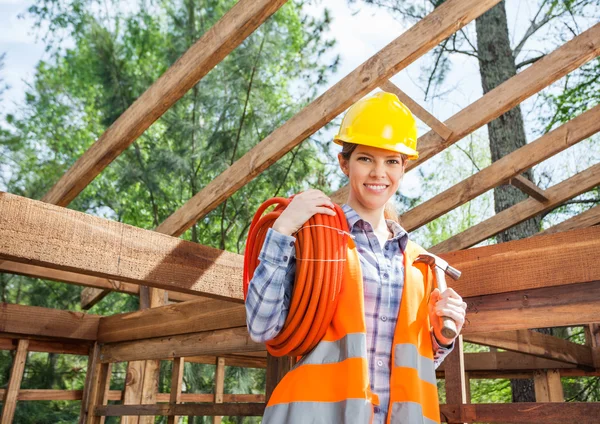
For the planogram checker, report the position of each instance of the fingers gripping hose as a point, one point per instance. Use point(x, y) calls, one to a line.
point(320, 256)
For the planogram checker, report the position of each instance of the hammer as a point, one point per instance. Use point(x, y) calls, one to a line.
point(439, 267)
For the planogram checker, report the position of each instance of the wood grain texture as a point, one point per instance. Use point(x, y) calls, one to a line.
point(37, 233)
point(548, 387)
point(585, 219)
point(558, 194)
point(36, 321)
point(50, 346)
point(510, 166)
point(239, 22)
point(9, 400)
point(528, 187)
point(231, 340)
point(207, 409)
point(496, 102)
point(404, 50)
point(507, 362)
point(176, 380)
point(523, 413)
point(454, 376)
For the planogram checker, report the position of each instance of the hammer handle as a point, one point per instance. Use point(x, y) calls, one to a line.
point(449, 329)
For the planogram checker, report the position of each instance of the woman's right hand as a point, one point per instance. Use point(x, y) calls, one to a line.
point(302, 207)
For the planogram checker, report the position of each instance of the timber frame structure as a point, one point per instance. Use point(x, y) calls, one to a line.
point(557, 284)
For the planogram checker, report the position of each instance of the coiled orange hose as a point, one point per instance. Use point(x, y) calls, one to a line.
point(320, 256)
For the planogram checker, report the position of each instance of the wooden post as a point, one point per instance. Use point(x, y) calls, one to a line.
point(276, 369)
point(454, 365)
point(176, 379)
point(592, 339)
point(219, 385)
point(87, 388)
point(548, 387)
point(14, 384)
point(99, 385)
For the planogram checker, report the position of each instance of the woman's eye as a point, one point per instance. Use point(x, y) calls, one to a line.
point(394, 161)
point(363, 158)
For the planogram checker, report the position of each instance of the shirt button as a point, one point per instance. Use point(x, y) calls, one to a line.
point(380, 363)
point(285, 258)
point(387, 246)
point(384, 318)
point(291, 243)
point(386, 275)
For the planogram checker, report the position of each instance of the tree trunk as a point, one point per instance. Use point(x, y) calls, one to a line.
point(506, 134)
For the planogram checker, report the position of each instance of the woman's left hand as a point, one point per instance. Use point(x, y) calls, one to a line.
point(447, 304)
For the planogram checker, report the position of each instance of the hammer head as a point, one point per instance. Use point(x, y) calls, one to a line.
point(433, 260)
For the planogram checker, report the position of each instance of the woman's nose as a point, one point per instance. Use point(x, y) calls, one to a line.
point(378, 170)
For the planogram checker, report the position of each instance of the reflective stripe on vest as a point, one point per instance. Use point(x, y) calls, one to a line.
point(351, 346)
point(348, 411)
point(406, 355)
point(409, 413)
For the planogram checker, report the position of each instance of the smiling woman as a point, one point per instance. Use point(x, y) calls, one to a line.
point(376, 362)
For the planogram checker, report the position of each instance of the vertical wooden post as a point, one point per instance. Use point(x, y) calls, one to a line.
point(219, 385)
point(548, 387)
point(276, 369)
point(87, 387)
point(99, 385)
point(455, 381)
point(14, 383)
point(592, 339)
point(176, 380)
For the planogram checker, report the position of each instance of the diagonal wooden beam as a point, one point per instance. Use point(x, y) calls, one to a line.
point(505, 168)
point(414, 43)
point(583, 220)
point(420, 112)
point(557, 195)
point(237, 24)
point(503, 98)
point(9, 399)
point(528, 188)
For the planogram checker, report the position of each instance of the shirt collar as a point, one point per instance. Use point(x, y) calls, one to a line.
point(398, 232)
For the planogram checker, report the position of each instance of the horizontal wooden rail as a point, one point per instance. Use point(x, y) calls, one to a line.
point(583, 220)
point(206, 410)
point(80, 347)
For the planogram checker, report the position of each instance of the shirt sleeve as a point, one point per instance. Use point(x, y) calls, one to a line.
point(439, 352)
point(270, 289)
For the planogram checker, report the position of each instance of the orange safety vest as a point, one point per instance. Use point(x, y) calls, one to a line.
point(331, 384)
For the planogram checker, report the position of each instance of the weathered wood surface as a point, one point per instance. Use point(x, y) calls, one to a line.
point(548, 387)
point(176, 381)
point(239, 22)
point(51, 346)
point(508, 362)
point(219, 342)
point(510, 166)
point(37, 233)
point(558, 194)
point(523, 413)
point(537, 344)
point(454, 376)
point(9, 400)
point(512, 92)
point(207, 409)
point(528, 187)
point(36, 321)
point(583, 220)
point(568, 305)
point(404, 50)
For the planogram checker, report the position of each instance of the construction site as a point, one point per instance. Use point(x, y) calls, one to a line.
point(191, 297)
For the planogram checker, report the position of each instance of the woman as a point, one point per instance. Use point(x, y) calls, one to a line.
point(382, 369)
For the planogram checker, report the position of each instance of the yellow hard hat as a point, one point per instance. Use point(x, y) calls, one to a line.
point(383, 121)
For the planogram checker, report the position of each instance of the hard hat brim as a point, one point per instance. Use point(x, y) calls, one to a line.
point(376, 142)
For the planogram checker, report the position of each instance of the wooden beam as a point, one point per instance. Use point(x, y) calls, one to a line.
point(522, 211)
point(503, 98)
point(219, 386)
point(421, 113)
point(507, 362)
point(529, 188)
point(585, 219)
point(99, 391)
point(36, 321)
point(404, 50)
point(523, 413)
point(89, 282)
point(50, 346)
point(509, 166)
point(537, 344)
point(46, 235)
point(241, 361)
point(239, 22)
point(528, 263)
point(454, 376)
point(9, 400)
point(231, 340)
point(548, 387)
point(569, 305)
point(176, 380)
point(277, 368)
point(206, 410)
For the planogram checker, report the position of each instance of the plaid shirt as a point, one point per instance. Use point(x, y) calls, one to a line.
point(270, 291)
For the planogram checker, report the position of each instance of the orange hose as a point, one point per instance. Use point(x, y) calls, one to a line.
point(320, 254)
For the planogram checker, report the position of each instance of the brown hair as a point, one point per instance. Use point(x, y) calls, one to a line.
point(389, 210)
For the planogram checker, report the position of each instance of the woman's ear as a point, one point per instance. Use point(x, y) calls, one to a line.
point(343, 164)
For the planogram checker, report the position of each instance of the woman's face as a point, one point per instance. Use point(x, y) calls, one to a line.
point(374, 175)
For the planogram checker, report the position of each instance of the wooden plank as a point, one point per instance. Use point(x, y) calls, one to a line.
point(91, 296)
point(507, 362)
point(62, 347)
point(206, 410)
point(181, 318)
point(528, 263)
point(509, 94)
point(90, 282)
point(176, 380)
point(524, 413)
point(9, 400)
point(509, 166)
point(99, 391)
point(237, 24)
point(231, 361)
point(231, 340)
point(569, 305)
point(420, 112)
point(558, 194)
point(277, 368)
point(47, 235)
point(548, 387)
point(528, 187)
point(404, 50)
point(454, 376)
point(537, 344)
point(132, 395)
point(583, 220)
point(219, 386)
point(92, 363)
point(36, 321)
